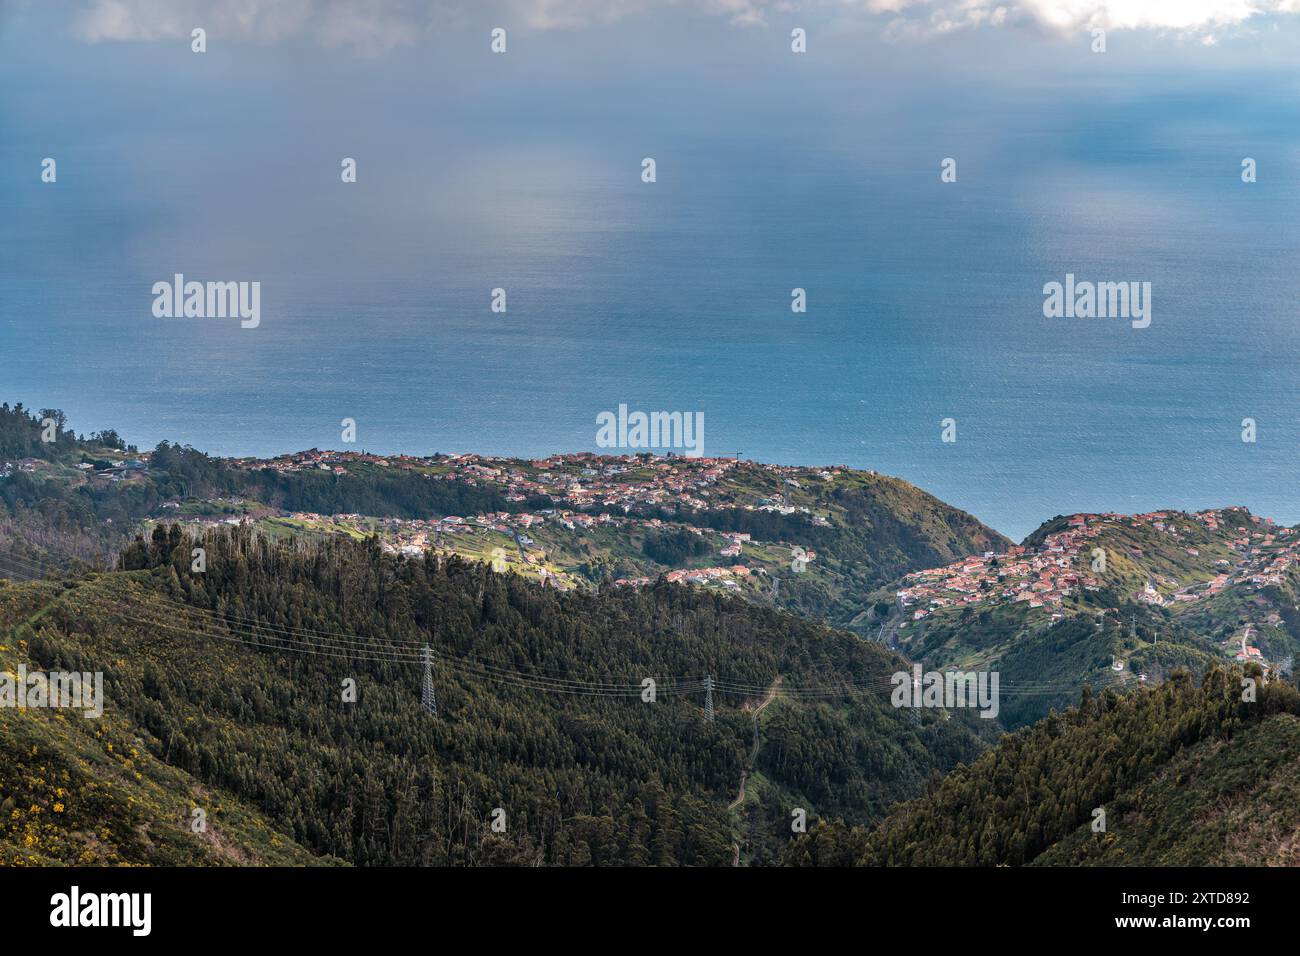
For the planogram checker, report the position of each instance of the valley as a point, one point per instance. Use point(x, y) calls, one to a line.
point(768, 607)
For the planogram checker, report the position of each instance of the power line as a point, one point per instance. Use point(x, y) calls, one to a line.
point(271, 636)
point(279, 638)
point(427, 698)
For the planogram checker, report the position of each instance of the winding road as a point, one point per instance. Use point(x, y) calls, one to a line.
point(771, 695)
point(744, 774)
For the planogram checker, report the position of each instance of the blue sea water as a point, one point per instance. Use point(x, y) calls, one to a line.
point(924, 298)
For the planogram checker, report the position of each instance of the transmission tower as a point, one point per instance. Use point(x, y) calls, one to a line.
point(708, 699)
point(427, 699)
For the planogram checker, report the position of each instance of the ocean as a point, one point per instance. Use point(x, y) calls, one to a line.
point(924, 298)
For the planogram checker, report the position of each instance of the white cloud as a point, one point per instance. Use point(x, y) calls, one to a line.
point(372, 26)
point(366, 25)
point(376, 25)
point(1203, 17)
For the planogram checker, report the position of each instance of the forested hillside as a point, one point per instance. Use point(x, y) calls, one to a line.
point(278, 685)
point(1185, 774)
point(235, 678)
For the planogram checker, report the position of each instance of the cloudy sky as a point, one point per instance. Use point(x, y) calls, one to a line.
point(372, 26)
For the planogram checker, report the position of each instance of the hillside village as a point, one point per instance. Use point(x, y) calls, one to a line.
point(562, 493)
point(564, 507)
point(1224, 547)
point(581, 480)
point(586, 494)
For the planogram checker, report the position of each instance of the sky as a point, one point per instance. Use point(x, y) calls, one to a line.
point(378, 25)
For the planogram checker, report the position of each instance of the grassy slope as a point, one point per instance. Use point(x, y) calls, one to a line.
point(1186, 775)
point(92, 792)
point(1220, 803)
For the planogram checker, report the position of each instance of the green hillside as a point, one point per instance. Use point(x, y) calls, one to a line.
point(279, 688)
point(1185, 774)
point(230, 682)
point(92, 792)
point(1219, 803)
